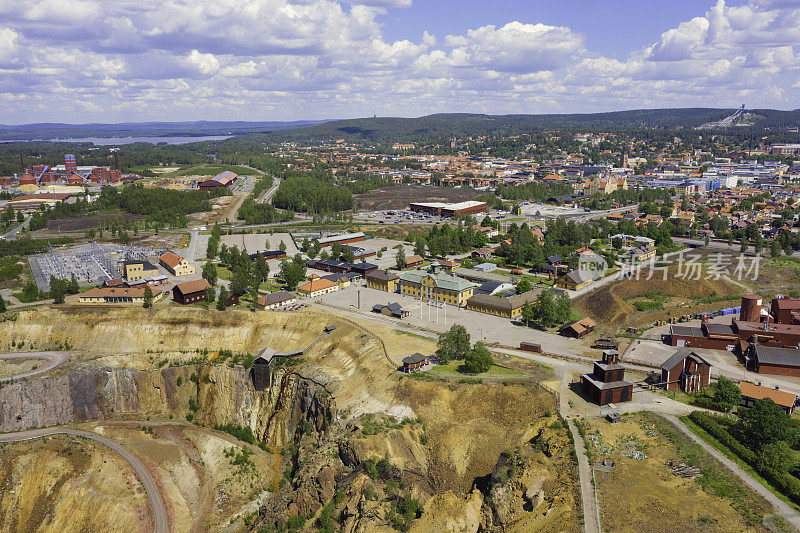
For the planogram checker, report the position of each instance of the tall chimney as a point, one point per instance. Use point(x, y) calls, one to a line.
point(116, 161)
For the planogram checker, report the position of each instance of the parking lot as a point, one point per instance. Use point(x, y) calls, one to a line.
point(439, 319)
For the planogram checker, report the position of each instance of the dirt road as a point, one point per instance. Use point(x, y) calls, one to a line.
point(156, 503)
point(53, 359)
point(789, 514)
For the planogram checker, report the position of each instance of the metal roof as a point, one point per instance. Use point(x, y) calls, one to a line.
point(685, 331)
point(447, 282)
point(414, 359)
point(680, 355)
point(777, 356)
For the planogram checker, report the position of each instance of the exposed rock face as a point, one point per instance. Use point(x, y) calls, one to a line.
point(222, 394)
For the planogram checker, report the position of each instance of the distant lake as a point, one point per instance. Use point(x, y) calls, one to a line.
point(113, 141)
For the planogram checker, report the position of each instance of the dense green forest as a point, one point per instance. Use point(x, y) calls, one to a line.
point(445, 126)
point(166, 207)
point(307, 194)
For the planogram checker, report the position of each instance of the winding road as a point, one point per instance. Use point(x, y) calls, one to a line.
point(53, 359)
point(156, 503)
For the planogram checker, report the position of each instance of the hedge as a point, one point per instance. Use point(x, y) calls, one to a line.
point(787, 484)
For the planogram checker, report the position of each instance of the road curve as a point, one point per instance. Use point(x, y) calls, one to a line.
point(53, 359)
point(787, 512)
point(156, 503)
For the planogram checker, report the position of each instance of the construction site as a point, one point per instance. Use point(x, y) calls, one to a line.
point(90, 263)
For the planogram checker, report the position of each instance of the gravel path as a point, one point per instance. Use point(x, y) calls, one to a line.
point(53, 359)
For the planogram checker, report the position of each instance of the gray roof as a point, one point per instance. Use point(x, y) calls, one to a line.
point(488, 287)
point(442, 281)
point(579, 276)
point(341, 237)
point(476, 275)
point(414, 359)
point(514, 302)
point(604, 386)
point(679, 356)
point(382, 275)
point(777, 356)
point(686, 331)
point(720, 329)
point(278, 297)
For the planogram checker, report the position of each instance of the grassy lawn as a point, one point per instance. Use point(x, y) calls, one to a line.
point(410, 334)
point(224, 273)
point(494, 372)
point(209, 170)
point(727, 452)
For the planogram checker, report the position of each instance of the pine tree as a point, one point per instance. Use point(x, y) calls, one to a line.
point(148, 297)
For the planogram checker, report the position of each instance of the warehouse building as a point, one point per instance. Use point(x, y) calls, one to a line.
point(117, 295)
point(344, 238)
point(449, 210)
point(223, 179)
point(510, 307)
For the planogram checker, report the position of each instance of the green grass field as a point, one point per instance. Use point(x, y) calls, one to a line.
point(451, 368)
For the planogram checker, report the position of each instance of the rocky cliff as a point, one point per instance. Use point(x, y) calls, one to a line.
point(211, 394)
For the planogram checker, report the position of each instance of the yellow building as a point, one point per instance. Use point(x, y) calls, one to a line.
point(499, 306)
point(437, 287)
point(114, 295)
point(136, 270)
point(382, 280)
point(176, 264)
point(642, 253)
point(574, 281)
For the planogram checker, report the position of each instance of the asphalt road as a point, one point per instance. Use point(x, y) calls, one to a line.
point(782, 507)
point(11, 235)
point(267, 195)
point(156, 503)
point(53, 359)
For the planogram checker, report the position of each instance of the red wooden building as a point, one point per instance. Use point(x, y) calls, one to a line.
point(190, 292)
point(685, 370)
point(606, 384)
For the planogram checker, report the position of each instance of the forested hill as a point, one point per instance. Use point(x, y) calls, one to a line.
point(443, 126)
point(54, 130)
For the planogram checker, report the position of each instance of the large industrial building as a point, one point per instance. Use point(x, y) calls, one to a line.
point(768, 342)
point(223, 179)
point(470, 207)
point(344, 238)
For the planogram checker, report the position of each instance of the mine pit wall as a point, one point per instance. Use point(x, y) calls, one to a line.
point(223, 395)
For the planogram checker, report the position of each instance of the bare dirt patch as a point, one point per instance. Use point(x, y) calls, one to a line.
point(201, 486)
point(643, 494)
point(614, 304)
point(90, 221)
point(470, 425)
point(66, 483)
point(400, 196)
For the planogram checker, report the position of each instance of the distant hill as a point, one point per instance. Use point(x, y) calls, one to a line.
point(48, 131)
point(443, 126)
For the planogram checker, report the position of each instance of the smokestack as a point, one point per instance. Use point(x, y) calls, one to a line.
point(116, 161)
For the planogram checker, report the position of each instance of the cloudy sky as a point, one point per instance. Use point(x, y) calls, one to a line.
point(136, 60)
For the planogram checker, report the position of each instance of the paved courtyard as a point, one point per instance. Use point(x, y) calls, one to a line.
point(479, 325)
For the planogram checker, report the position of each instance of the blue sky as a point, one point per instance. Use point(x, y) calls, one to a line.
point(137, 60)
point(612, 27)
